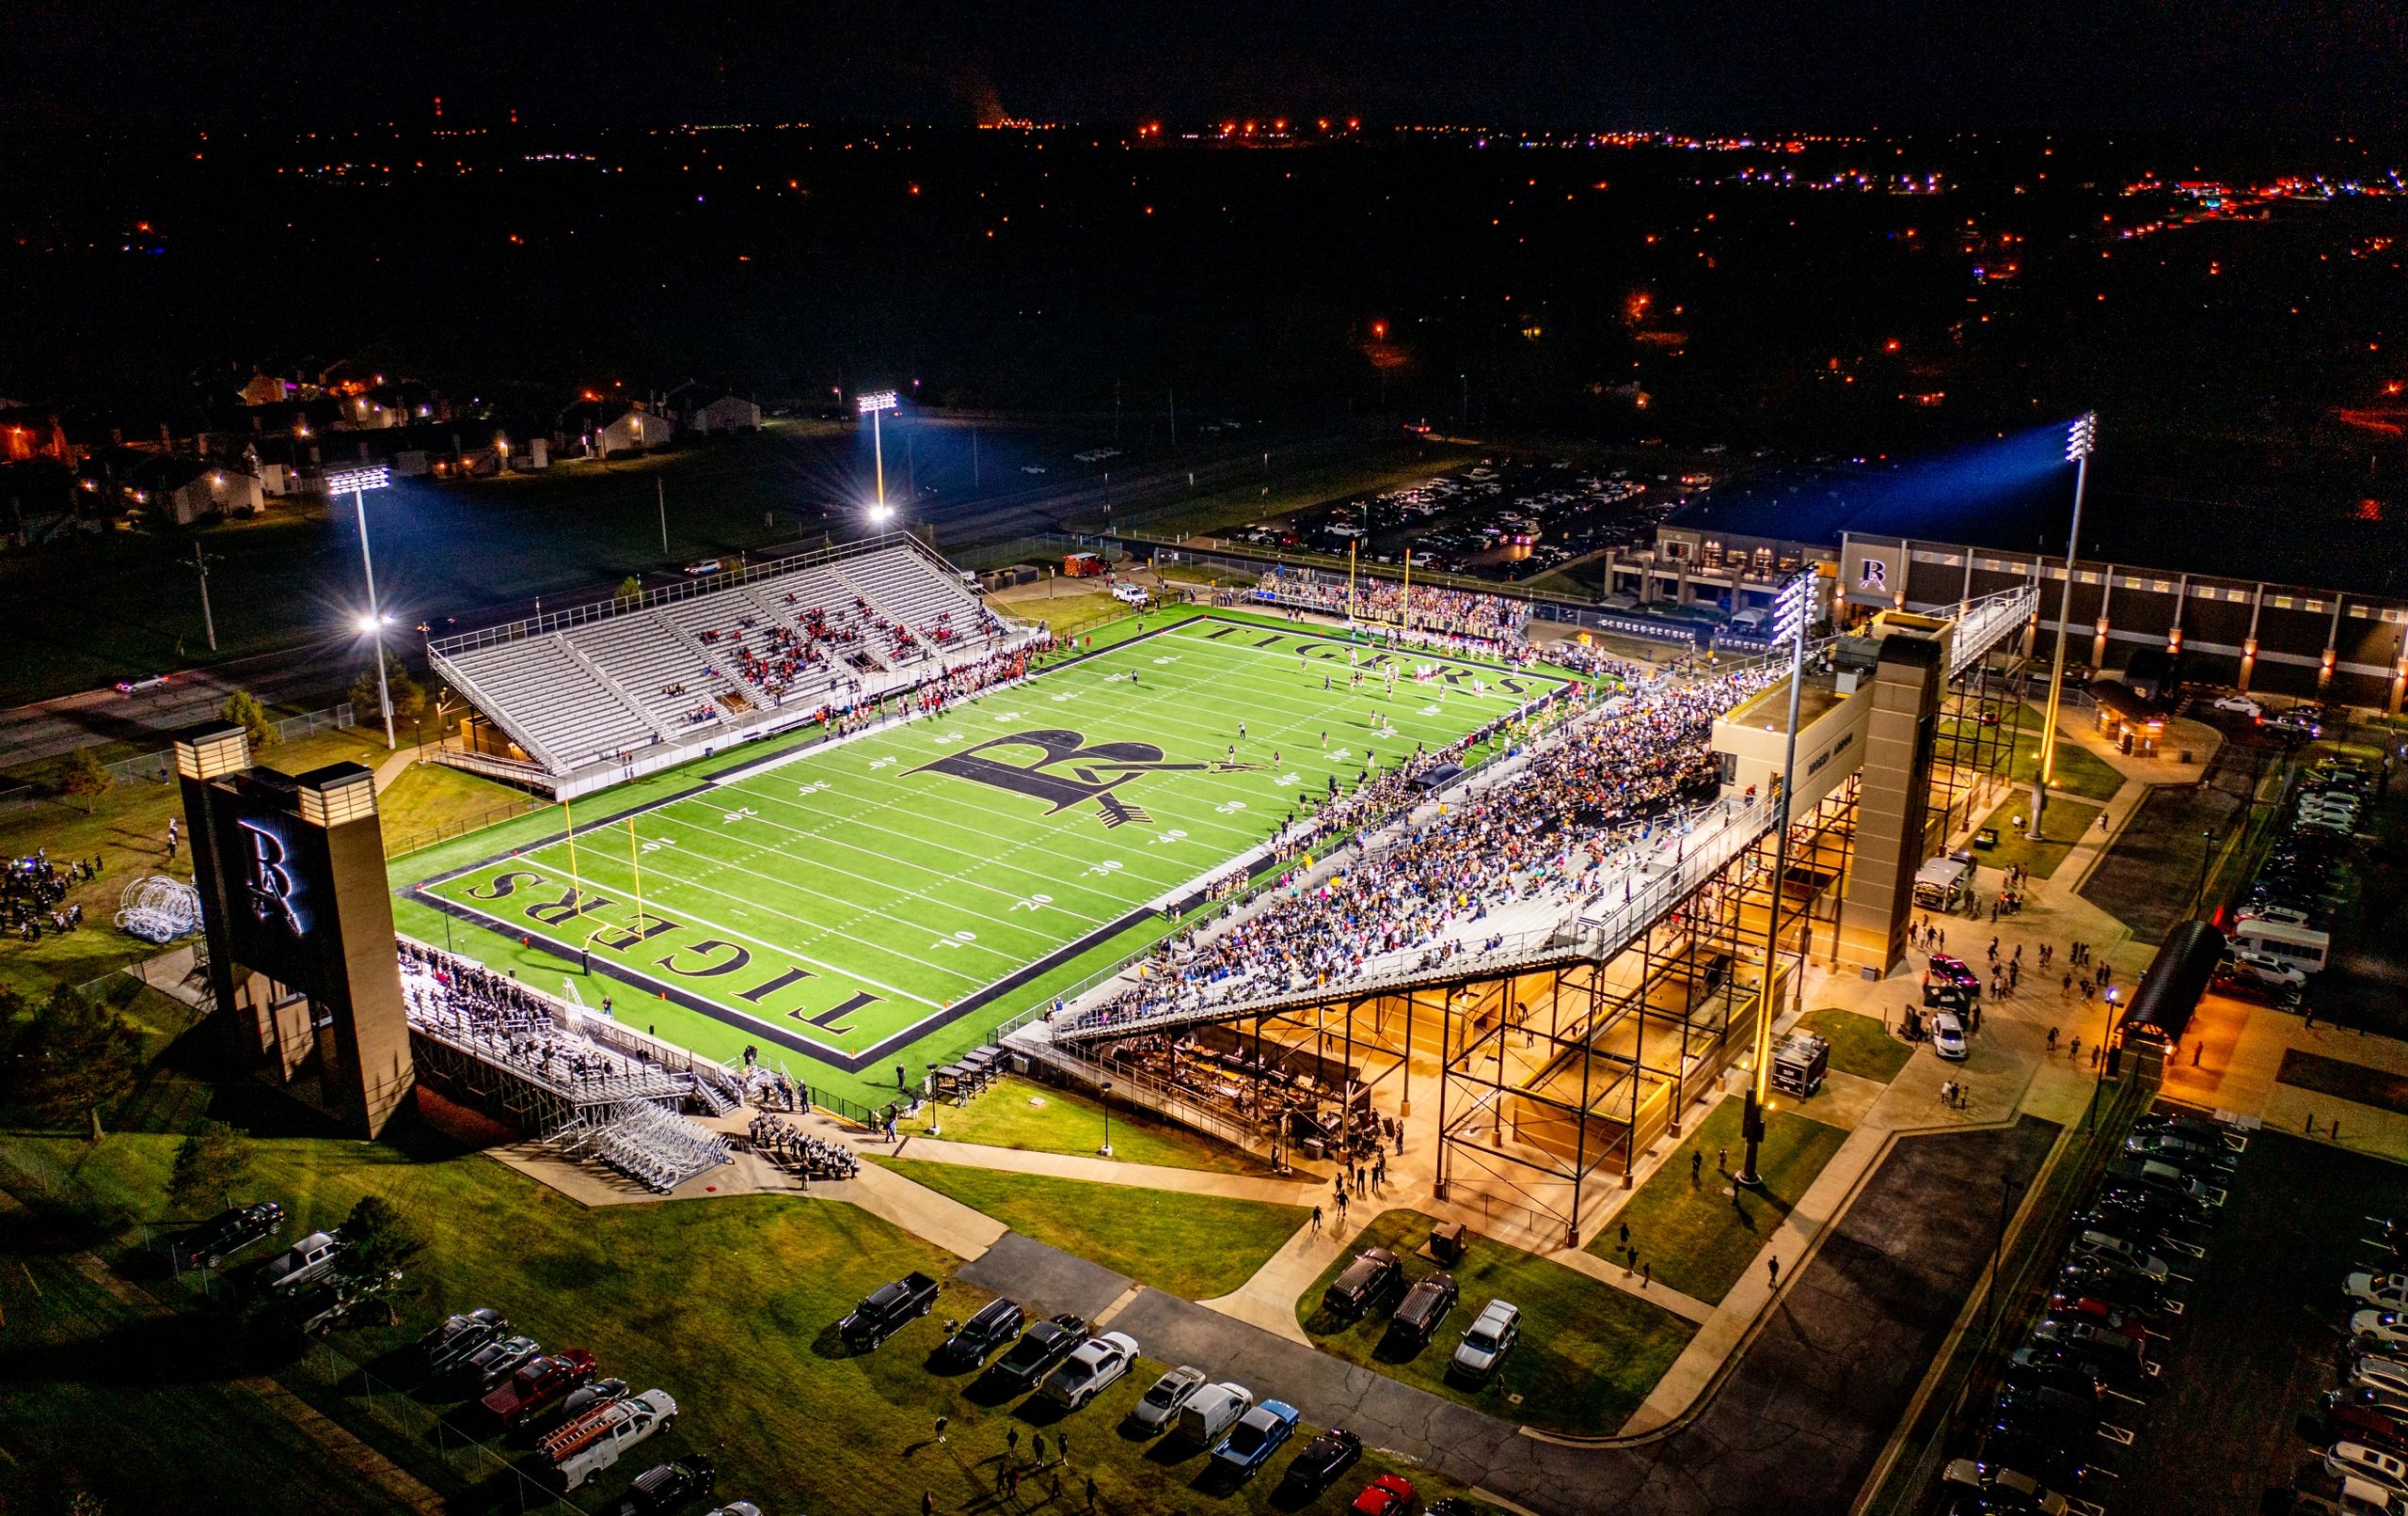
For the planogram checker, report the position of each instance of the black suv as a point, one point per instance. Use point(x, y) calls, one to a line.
point(667, 1486)
point(212, 1244)
point(1425, 1306)
point(1034, 1355)
point(980, 1337)
point(1365, 1281)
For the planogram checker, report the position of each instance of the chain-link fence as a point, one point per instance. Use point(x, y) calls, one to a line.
point(159, 768)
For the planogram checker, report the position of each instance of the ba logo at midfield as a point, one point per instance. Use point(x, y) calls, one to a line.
point(1058, 767)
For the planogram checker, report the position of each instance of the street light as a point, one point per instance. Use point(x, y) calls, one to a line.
point(2082, 440)
point(872, 405)
point(358, 481)
point(1107, 1119)
point(1792, 609)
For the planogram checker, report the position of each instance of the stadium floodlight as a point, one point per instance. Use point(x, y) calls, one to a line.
point(356, 482)
point(871, 405)
point(1792, 608)
point(2082, 440)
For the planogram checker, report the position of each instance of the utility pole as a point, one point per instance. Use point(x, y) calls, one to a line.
point(200, 561)
point(660, 495)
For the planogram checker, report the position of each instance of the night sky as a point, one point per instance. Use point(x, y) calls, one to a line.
point(2318, 65)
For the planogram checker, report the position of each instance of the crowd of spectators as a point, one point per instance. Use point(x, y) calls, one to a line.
point(505, 1023)
point(1485, 618)
point(33, 893)
point(1557, 826)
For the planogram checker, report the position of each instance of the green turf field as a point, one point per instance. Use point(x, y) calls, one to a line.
point(847, 900)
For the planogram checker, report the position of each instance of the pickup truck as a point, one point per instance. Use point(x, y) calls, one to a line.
point(537, 1384)
point(885, 1310)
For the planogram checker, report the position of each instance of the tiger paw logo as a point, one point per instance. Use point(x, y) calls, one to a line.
point(1059, 768)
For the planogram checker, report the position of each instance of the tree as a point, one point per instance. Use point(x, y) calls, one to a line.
point(68, 1059)
point(409, 700)
point(244, 709)
point(211, 1165)
point(378, 1242)
point(631, 587)
point(87, 778)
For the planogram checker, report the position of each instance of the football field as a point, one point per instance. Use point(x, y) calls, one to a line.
point(846, 899)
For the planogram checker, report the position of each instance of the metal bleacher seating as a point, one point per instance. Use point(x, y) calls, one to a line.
point(571, 717)
point(940, 613)
point(657, 1148)
point(590, 685)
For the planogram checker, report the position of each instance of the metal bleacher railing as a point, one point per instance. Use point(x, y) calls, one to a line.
point(657, 1148)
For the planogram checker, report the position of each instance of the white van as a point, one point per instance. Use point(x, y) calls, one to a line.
point(1752, 623)
point(1210, 1411)
point(1939, 883)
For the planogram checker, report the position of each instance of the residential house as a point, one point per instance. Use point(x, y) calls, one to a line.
point(702, 409)
point(601, 428)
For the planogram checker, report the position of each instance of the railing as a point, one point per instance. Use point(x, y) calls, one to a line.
point(1982, 622)
point(410, 842)
point(694, 588)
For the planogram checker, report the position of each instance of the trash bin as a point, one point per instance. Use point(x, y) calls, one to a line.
point(1446, 1242)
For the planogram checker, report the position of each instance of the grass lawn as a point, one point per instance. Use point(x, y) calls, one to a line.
point(430, 801)
point(2080, 771)
point(1073, 611)
point(1700, 1240)
point(729, 1305)
point(127, 829)
point(1589, 1353)
point(2061, 826)
point(1155, 1237)
point(1860, 1045)
point(1036, 1118)
point(1295, 490)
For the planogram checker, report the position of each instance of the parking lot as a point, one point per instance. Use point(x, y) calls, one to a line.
point(2223, 1410)
point(1504, 518)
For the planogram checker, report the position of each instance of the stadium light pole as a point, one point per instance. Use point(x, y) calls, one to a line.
point(874, 406)
point(358, 481)
point(2082, 440)
point(1792, 609)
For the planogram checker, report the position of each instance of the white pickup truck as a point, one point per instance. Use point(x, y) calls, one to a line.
point(584, 1447)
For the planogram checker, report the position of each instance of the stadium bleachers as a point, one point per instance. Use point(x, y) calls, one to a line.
point(571, 717)
point(586, 687)
point(942, 616)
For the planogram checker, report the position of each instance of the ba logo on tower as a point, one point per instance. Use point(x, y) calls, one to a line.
point(1058, 767)
point(268, 880)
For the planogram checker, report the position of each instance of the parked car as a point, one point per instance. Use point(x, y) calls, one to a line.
point(2039, 1408)
point(664, 1486)
point(2382, 1329)
point(2096, 1312)
point(1322, 1461)
point(582, 1448)
point(1948, 1036)
point(1998, 1487)
point(452, 1328)
point(214, 1241)
point(2347, 1460)
point(1159, 1407)
point(305, 1262)
point(2240, 705)
point(2375, 1371)
point(1390, 1494)
point(501, 1360)
point(135, 687)
point(1425, 1307)
point(1090, 1369)
point(2362, 1424)
point(1363, 1283)
point(1045, 1344)
point(1487, 1340)
point(2209, 1160)
point(2091, 1244)
point(464, 1344)
point(2117, 1286)
point(1257, 1434)
point(987, 1333)
point(2262, 971)
point(2367, 1397)
point(885, 1309)
point(702, 566)
point(2047, 1458)
point(536, 1384)
point(2056, 1369)
point(2119, 1359)
point(2383, 1292)
point(2164, 1180)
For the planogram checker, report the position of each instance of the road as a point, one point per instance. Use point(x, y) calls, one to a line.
point(314, 674)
